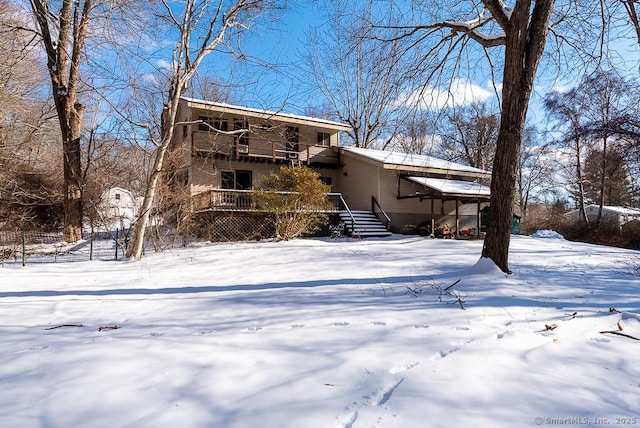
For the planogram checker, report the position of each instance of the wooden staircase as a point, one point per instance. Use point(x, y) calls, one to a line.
point(365, 224)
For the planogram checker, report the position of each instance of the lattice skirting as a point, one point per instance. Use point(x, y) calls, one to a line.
point(234, 226)
point(217, 227)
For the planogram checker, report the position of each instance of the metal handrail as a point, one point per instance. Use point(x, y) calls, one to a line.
point(346, 208)
point(374, 203)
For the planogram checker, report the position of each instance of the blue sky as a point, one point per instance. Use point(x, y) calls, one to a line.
point(281, 84)
point(272, 78)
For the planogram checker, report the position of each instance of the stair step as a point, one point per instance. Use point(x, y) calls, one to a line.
point(367, 225)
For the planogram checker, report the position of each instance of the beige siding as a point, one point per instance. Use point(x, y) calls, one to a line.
point(361, 180)
point(205, 172)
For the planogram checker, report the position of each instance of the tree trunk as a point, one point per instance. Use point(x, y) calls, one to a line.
point(582, 208)
point(526, 33)
point(168, 126)
point(72, 184)
point(503, 179)
point(63, 37)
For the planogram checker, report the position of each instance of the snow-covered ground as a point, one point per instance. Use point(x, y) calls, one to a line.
point(324, 333)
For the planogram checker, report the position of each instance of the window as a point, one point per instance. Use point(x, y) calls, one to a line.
point(236, 180)
point(117, 196)
point(292, 135)
point(324, 139)
point(221, 125)
point(241, 124)
point(205, 123)
point(210, 124)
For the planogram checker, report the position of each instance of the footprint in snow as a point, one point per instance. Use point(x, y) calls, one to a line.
point(297, 325)
point(34, 348)
point(403, 367)
point(385, 394)
point(342, 323)
point(379, 323)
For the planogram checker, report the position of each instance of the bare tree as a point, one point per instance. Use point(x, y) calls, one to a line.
point(535, 171)
point(520, 32)
point(469, 135)
point(565, 111)
point(63, 31)
point(416, 134)
point(631, 8)
point(30, 193)
point(596, 117)
point(360, 76)
point(201, 27)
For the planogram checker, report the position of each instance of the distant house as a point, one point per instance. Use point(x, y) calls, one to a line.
point(118, 207)
point(225, 150)
point(613, 215)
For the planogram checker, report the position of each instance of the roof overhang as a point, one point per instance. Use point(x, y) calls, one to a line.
point(453, 188)
point(265, 114)
point(407, 169)
point(411, 164)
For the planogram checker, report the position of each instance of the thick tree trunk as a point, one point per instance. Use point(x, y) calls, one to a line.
point(63, 36)
point(526, 33)
point(503, 179)
point(72, 191)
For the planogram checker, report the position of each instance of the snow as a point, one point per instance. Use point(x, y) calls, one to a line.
point(547, 234)
point(460, 187)
point(324, 333)
point(410, 159)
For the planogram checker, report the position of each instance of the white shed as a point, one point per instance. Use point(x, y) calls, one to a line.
point(119, 207)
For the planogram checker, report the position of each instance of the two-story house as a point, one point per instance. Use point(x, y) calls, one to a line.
point(225, 150)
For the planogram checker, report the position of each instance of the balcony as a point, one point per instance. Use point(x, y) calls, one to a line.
point(254, 149)
point(242, 201)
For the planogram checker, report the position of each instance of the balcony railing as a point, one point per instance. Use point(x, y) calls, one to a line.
point(228, 145)
point(243, 200)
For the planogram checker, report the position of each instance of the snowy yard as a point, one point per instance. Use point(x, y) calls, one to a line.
point(324, 333)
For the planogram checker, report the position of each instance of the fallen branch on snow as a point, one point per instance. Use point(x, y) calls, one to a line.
point(618, 333)
point(64, 325)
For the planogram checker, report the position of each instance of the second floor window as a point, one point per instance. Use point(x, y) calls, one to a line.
point(243, 138)
point(324, 139)
point(292, 135)
point(211, 124)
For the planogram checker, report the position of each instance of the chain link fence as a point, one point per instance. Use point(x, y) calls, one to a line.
point(23, 247)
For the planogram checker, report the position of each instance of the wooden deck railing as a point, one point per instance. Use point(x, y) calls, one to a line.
point(242, 200)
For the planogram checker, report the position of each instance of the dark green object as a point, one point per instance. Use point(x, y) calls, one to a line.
point(484, 221)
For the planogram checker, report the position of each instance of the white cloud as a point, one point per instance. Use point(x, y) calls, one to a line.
point(461, 92)
point(164, 64)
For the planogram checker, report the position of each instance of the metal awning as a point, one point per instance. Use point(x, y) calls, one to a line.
point(453, 188)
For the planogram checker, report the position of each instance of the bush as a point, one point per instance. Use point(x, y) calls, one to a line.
point(296, 200)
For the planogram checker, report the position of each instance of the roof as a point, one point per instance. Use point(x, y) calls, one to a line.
point(266, 114)
point(413, 162)
point(611, 209)
point(453, 187)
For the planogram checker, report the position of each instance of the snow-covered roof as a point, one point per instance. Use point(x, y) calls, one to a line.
point(413, 161)
point(454, 187)
point(269, 114)
point(611, 209)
